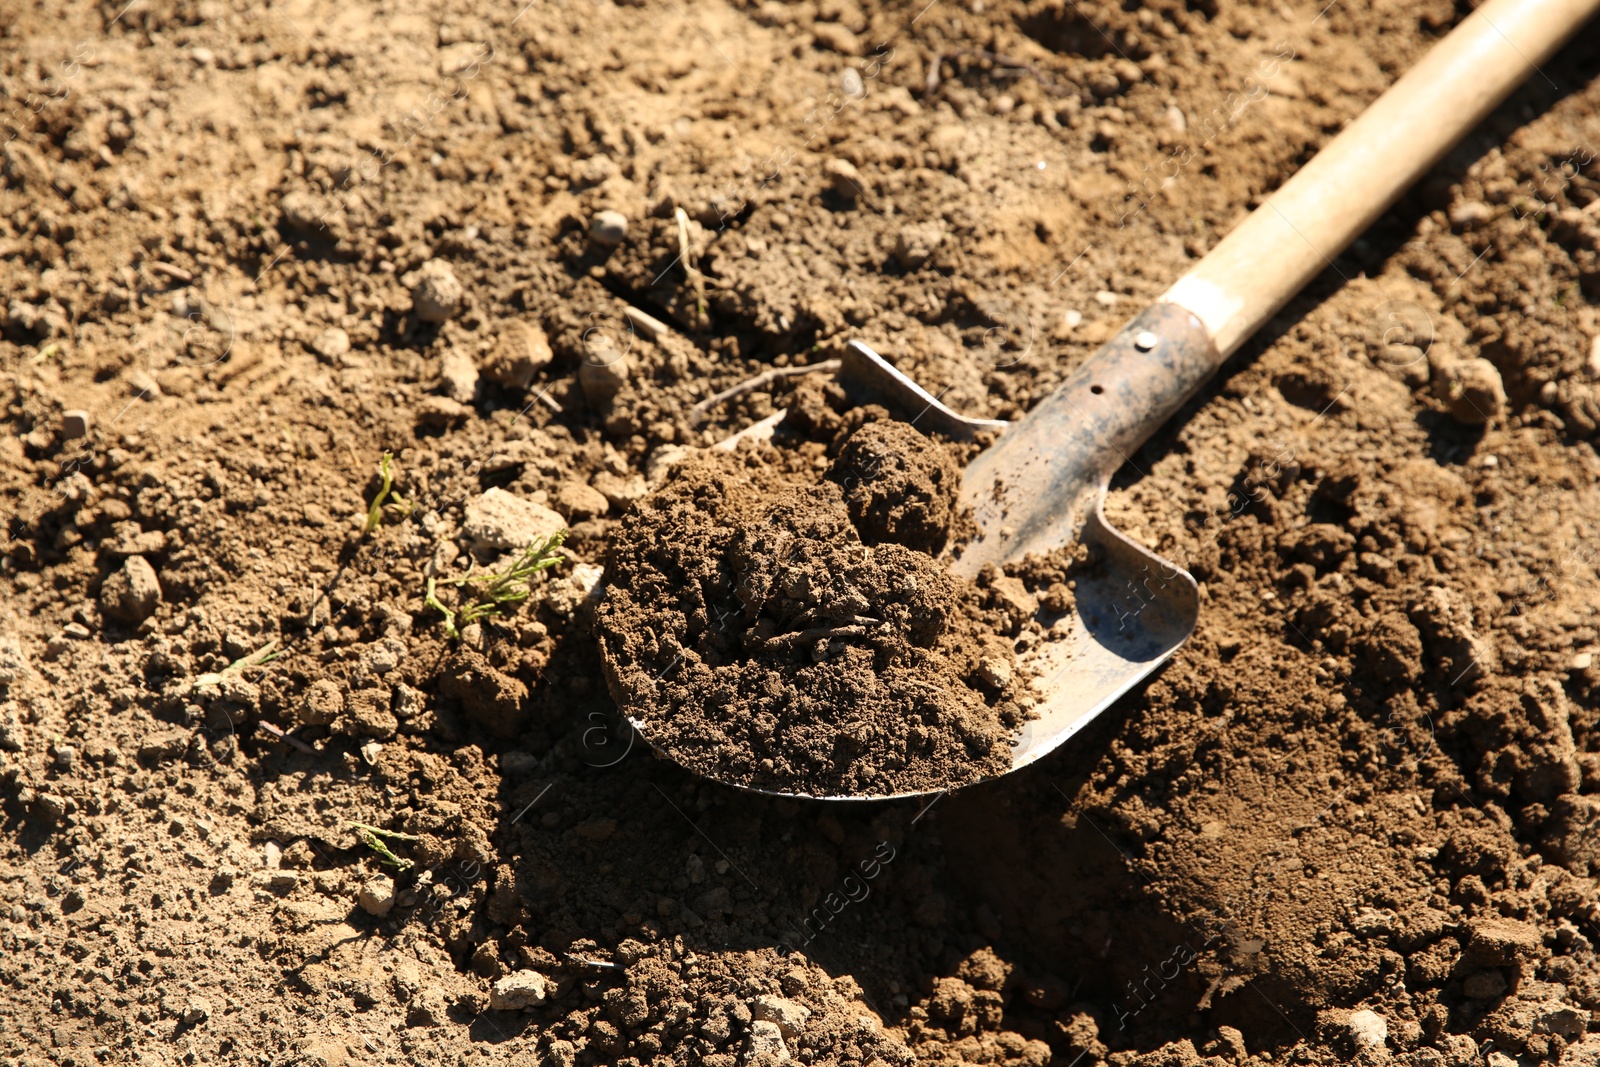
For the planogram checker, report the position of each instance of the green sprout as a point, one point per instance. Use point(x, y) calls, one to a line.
point(385, 492)
point(259, 658)
point(372, 837)
point(496, 591)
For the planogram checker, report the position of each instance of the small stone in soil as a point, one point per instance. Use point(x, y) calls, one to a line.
point(519, 990)
point(458, 376)
point(331, 343)
point(1471, 390)
point(602, 375)
point(132, 593)
point(520, 352)
point(436, 293)
point(74, 424)
point(1368, 1028)
point(789, 1017)
point(578, 502)
point(844, 179)
point(376, 896)
point(609, 228)
point(499, 520)
point(764, 1045)
point(197, 1010)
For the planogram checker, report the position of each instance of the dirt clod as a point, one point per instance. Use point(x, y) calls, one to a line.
point(131, 593)
point(436, 293)
point(898, 486)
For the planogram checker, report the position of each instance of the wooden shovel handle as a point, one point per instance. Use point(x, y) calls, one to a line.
point(1298, 231)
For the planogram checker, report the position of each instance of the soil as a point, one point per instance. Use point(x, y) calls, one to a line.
point(801, 639)
point(245, 251)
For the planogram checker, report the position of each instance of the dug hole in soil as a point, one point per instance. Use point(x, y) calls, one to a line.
point(247, 252)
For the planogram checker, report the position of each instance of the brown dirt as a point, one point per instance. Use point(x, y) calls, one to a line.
point(1368, 785)
point(759, 641)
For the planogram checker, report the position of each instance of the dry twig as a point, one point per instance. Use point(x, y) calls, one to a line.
point(697, 414)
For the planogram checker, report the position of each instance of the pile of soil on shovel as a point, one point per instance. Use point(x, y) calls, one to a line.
point(802, 638)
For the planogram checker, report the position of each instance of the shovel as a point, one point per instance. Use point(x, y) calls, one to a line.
point(1042, 484)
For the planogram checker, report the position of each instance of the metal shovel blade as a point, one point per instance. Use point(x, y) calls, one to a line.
point(1042, 485)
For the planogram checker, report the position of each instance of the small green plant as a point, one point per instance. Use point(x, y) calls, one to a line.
point(496, 591)
point(385, 493)
point(259, 658)
point(372, 837)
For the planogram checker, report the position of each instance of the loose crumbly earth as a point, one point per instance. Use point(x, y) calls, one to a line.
point(1356, 812)
point(760, 642)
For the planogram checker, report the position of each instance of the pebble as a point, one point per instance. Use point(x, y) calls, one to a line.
point(569, 592)
point(331, 343)
point(499, 520)
point(1594, 357)
point(764, 1045)
point(579, 502)
point(1469, 212)
point(1368, 1028)
point(620, 492)
point(51, 807)
point(851, 85)
point(1471, 390)
point(519, 990)
point(66, 755)
point(844, 179)
point(1106, 298)
point(302, 211)
point(602, 375)
point(408, 703)
point(661, 462)
point(132, 593)
point(196, 1010)
point(994, 671)
point(436, 294)
point(141, 385)
point(609, 228)
point(74, 424)
point(789, 1017)
point(376, 895)
point(458, 376)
